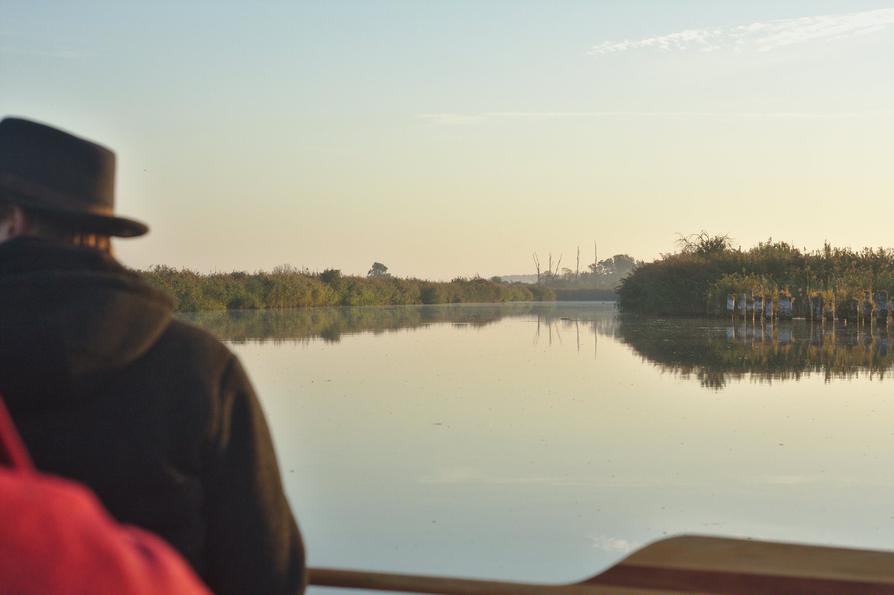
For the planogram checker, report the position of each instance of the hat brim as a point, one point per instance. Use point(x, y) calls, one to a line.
point(110, 225)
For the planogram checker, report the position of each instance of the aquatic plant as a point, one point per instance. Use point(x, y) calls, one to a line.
point(697, 279)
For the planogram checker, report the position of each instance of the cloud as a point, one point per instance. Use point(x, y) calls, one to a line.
point(761, 36)
point(453, 118)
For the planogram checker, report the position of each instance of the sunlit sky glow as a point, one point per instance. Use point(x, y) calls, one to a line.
point(456, 138)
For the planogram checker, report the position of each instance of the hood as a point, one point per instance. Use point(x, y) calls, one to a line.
point(70, 318)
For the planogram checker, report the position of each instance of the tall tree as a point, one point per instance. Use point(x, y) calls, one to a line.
point(377, 270)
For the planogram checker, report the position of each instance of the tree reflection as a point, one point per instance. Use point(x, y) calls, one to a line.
point(331, 324)
point(716, 352)
point(712, 351)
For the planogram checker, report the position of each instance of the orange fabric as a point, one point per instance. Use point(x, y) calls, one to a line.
point(57, 538)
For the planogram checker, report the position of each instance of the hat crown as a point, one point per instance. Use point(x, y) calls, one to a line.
point(46, 169)
point(67, 165)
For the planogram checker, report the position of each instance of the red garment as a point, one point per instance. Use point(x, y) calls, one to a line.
point(55, 537)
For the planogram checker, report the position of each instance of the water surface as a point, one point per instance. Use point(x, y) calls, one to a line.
point(543, 442)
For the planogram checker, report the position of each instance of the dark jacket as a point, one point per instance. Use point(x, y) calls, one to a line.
point(155, 415)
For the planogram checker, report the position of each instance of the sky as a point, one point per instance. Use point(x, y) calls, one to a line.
point(457, 138)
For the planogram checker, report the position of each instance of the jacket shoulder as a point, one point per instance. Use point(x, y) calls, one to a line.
point(185, 362)
point(193, 345)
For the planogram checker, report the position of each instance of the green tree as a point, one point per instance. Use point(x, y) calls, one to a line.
point(704, 244)
point(330, 276)
point(377, 270)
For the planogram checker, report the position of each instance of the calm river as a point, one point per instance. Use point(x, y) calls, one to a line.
point(542, 442)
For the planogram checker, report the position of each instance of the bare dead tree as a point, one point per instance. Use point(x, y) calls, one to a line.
point(577, 269)
point(537, 266)
point(556, 273)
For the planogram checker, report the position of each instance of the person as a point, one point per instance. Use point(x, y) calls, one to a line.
point(156, 416)
point(58, 539)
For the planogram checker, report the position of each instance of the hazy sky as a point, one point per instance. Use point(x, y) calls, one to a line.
point(455, 138)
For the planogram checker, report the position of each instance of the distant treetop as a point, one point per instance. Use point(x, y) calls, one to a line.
point(377, 270)
point(704, 243)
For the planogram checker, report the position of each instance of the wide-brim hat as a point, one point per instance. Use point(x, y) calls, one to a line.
point(66, 177)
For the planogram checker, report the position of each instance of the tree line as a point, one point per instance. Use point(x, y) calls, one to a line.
point(697, 279)
point(288, 287)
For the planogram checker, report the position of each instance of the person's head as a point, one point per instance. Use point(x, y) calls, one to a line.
point(16, 221)
point(59, 186)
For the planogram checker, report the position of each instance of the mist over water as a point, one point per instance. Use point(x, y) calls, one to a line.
point(543, 442)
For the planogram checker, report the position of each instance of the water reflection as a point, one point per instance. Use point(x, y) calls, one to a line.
point(712, 351)
point(487, 441)
point(330, 324)
point(716, 352)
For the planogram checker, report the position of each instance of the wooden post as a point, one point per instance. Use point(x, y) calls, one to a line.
point(816, 307)
point(749, 305)
point(784, 309)
point(811, 305)
point(867, 307)
point(881, 307)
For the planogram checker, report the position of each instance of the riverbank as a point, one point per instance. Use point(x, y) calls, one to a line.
point(701, 279)
point(193, 292)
